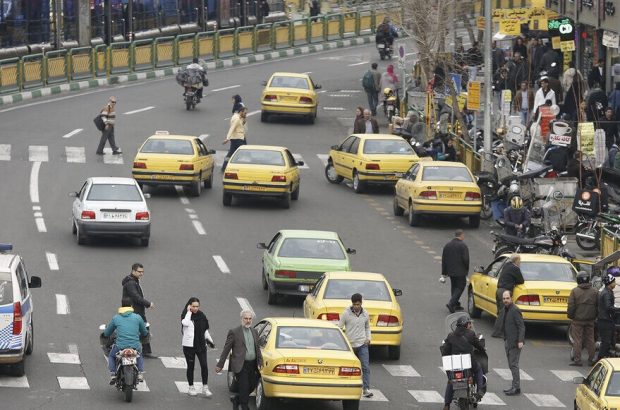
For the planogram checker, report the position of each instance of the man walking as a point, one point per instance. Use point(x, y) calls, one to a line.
point(513, 329)
point(371, 83)
point(236, 133)
point(108, 115)
point(606, 315)
point(366, 125)
point(509, 277)
point(133, 291)
point(582, 311)
point(523, 102)
point(356, 324)
point(245, 360)
point(455, 264)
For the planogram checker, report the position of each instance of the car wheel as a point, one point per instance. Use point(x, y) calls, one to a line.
point(264, 280)
point(264, 117)
point(30, 346)
point(208, 183)
point(263, 402)
point(331, 174)
point(286, 200)
point(295, 194)
point(474, 221)
point(473, 311)
point(398, 211)
point(227, 199)
point(414, 219)
point(394, 352)
point(141, 186)
point(358, 185)
point(18, 369)
point(311, 118)
point(80, 237)
point(272, 298)
point(350, 405)
point(196, 187)
point(144, 242)
point(73, 228)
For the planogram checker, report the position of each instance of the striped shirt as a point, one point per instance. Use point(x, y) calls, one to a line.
point(108, 114)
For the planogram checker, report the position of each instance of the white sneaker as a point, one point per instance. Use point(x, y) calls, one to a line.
point(140, 377)
point(206, 391)
point(367, 393)
point(191, 391)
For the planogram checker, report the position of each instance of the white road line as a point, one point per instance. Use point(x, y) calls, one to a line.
point(544, 400)
point(75, 154)
point(173, 362)
point(507, 375)
point(72, 348)
point(323, 158)
point(181, 194)
point(334, 109)
point(349, 91)
point(52, 261)
point(62, 305)
point(5, 152)
point(64, 358)
point(193, 216)
point(14, 382)
point(400, 370)
point(492, 399)
point(40, 224)
point(72, 133)
point(426, 396)
point(245, 305)
point(38, 214)
point(36, 208)
point(252, 113)
point(183, 387)
point(221, 264)
point(298, 157)
point(360, 63)
point(230, 87)
point(109, 158)
point(199, 228)
point(566, 375)
point(138, 110)
point(73, 383)
point(34, 182)
point(190, 211)
point(38, 153)
point(340, 95)
point(376, 396)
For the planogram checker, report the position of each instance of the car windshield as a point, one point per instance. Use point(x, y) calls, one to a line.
point(167, 146)
point(397, 147)
point(114, 192)
point(561, 272)
point(315, 338)
point(258, 157)
point(311, 248)
point(446, 174)
point(613, 388)
point(369, 289)
point(6, 289)
point(289, 82)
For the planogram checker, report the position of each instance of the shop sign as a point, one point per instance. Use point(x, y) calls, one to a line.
point(611, 39)
point(539, 23)
point(480, 23)
point(518, 13)
point(555, 42)
point(497, 15)
point(585, 133)
point(510, 27)
point(506, 101)
point(538, 4)
point(561, 140)
point(473, 95)
point(567, 46)
point(563, 27)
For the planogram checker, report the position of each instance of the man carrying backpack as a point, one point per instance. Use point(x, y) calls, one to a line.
point(386, 32)
point(371, 83)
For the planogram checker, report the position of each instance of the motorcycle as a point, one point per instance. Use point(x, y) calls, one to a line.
point(190, 97)
point(391, 105)
point(588, 230)
point(385, 49)
point(551, 243)
point(488, 184)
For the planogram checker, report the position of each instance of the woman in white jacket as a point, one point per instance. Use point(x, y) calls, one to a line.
point(196, 337)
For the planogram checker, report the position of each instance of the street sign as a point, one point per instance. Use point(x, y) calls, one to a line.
point(401, 63)
point(506, 101)
point(566, 46)
point(473, 95)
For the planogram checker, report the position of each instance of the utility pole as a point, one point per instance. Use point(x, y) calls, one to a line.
point(488, 67)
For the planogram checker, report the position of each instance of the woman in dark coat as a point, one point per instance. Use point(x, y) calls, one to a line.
point(574, 87)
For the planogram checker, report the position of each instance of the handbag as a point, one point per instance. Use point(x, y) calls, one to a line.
point(98, 120)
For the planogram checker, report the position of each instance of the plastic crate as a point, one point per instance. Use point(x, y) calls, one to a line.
point(567, 186)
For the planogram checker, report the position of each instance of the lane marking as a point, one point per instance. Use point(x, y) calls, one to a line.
point(245, 305)
point(226, 88)
point(199, 228)
point(173, 362)
point(62, 305)
point(38, 153)
point(323, 158)
point(72, 133)
point(400, 370)
point(360, 63)
point(138, 110)
point(64, 358)
point(72, 348)
point(38, 214)
point(219, 261)
point(109, 158)
point(492, 399)
point(40, 224)
point(5, 152)
point(75, 154)
point(566, 375)
point(376, 396)
point(193, 216)
point(252, 113)
point(73, 383)
point(34, 182)
point(52, 261)
point(349, 91)
point(334, 109)
point(36, 208)
point(181, 194)
point(426, 396)
point(544, 400)
point(340, 95)
point(190, 211)
point(14, 382)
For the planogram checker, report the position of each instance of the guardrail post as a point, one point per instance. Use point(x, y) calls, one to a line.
point(216, 45)
point(341, 25)
point(273, 36)
point(236, 42)
point(291, 34)
point(358, 24)
point(325, 28)
point(255, 40)
point(373, 20)
point(195, 46)
point(93, 62)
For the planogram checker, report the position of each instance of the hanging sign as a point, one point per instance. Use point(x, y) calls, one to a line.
point(510, 27)
point(585, 133)
point(611, 39)
point(567, 46)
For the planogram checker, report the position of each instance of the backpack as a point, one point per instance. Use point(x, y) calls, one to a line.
point(99, 123)
point(368, 81)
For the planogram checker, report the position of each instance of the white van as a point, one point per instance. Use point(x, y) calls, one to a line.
point(16, 324)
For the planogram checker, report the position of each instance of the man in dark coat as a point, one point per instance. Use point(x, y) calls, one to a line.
point(547, 60)
point(597, 74)
point(366, 124)
point(518, 71)
point(509, 277)
point(610, 126)
point(133, 291)
point(455, 264)
point(514, 337)
point(606, 315)
point(582, 311)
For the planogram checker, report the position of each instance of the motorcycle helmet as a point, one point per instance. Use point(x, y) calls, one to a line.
point(607, 279)
point(516, 202)
point(387, 91)
point(613, 271)
point(582, 277)
point(463, 321)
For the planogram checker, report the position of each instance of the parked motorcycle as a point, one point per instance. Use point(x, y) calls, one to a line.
point(551, 243)
point(385, 49)
point(588, 229)
point(489, 186)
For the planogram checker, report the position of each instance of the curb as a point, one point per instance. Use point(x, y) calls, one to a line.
point(169, 71)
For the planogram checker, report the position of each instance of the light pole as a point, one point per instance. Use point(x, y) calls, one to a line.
point(488, 67)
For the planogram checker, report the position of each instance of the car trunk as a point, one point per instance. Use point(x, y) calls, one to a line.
point(255, 173)
point(287, 95)
point(163, 162)
point(314, 269)
point(322, 364)
point(453, 191)
point(373, 307)
point(551, 294)
point(114, 211)
point(392, 163)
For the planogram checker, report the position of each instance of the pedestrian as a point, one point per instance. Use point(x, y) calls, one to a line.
point(366, 124)
point(450, 153)
point(372, 83)
point(237, 103)
point(264, 10)
point(359, 114)
point(606, 315)
point(544, 93)
point(356, 323)
point(597, 74)
point(455, 264)
point(536, 52)
point(523, 102)
point(108, 115)
point(133, 291)
point(582, 311)
point(513, 329)
point(388, 80)
point(610, 126)
point(245, 358)
point(519, 47)
point(613, 100)
point(236, 133)
point(509, 277)
point(574, 91)
point(196, 337)
point(498, 57)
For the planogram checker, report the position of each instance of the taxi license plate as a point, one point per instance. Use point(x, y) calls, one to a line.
point(555, 300)
point(163, 177)
point(450, 195)
point(129, 360)
point(253, 188)
point(116, 215)
point(289, 98)
point(323, 371)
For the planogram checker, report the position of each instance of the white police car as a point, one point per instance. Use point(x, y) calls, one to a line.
point(16, 325)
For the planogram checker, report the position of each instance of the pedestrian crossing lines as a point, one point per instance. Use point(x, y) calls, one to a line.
point(5, 152)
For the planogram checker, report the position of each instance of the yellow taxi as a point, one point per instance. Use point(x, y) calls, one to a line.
point(600, 390)
point(306, 359)
point(440, 188)
point(543, 297)
point(369, 159)
point(165, 159)
point(262, 171)
point(290, 94)
point(332, 295)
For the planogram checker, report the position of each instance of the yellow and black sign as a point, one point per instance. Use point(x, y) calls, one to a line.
point(567, 46)
point(510, 27)
point(473, 95)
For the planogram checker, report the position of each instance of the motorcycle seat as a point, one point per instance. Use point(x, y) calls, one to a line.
point(534, 173)
point(515, 239)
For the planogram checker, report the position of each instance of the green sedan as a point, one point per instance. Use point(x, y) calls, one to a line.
point(294, 261)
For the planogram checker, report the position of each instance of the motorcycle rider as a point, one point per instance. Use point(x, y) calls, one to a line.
point(606, 315)
point(516, 217)
point(386, 32)
point(195, 66)
point(463, 340)
point(129, 328)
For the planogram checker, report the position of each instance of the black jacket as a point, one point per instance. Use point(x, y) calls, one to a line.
point(513, 326)
point(595, 77)
point(201, 325)
point(513, 217)
point(461, 341)
point(606, 300)
point(510, 276)
point(455, 258)
point(611, 131)
point(132, 290)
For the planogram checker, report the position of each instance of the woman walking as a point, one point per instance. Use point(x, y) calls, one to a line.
point(236, 134)
point(195, 329)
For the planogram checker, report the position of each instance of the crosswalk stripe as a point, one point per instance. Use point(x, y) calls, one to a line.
point(544, 400)
point(38, 153)
point(566, 375)
point(75, 154)
point(64, 358)
point(14, 382)
point(492, 399)
point(298, 157)
point(426, 396)
point(173, 362)
point(109, 158)
point(73, 383)
point(5, 152)
point(142, 386)
point(376, 396)
point(323, 158)
point(506, 375)
point(399, 370)
point(183, 387)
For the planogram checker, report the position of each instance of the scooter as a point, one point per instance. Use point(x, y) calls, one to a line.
point(385, 50)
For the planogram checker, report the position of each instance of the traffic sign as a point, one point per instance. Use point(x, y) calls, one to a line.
point(401, 51)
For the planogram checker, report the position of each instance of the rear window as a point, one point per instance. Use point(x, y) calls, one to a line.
point(114, 192)
point(315, 338)
point(561, 272)
point(258, 157)
point(387, 147)
point(165, 146)
point(311, 248)
point(6, 289)
point(369, 289)
point(613, 388)
point(289, 82)
point(446, 174)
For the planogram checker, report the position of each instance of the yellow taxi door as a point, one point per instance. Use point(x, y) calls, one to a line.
point(342, 168)
point(310, 303)
point(353, 159)
point(588, 394)
point(490, 290)
point(405, 185)
point(201, 161)
point(292, 171)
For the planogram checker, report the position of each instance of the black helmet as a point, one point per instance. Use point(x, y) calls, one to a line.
point(583, 277)
point(607, 279)
point(613, 271)
point(463, 321)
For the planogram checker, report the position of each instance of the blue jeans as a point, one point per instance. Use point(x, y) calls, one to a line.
point(373, 101)
point(112, 359)
point(362, 354)
point(524, 113)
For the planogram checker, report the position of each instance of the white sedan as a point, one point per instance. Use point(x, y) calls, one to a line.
point(107, 206)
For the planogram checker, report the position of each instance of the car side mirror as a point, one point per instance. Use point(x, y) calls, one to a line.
point(351, 251)
point(579, 380)
point(261, 245)
point(211, 152)
point(336, 147)
point(35, 282)
point(300, 163)
point(397, 292)
point(147, 196)
point(264, 83)
point(73, 194)
point(317, 86)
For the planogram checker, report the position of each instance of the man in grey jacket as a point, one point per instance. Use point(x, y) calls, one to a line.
point(356, 323)
point(513, 329)
point(582, 311)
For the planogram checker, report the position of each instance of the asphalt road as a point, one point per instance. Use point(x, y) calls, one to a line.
point(180, 262)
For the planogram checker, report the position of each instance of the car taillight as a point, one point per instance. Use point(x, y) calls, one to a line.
point(286, 369)
point(332, 317)
point(372, 166)
point(349, 371)
point(142, 216)
point(286, 274)
point(428, 195)
point(387, 320)
point(230, 175)
point(472, 196)
point(88, 215)
point(532, 300)
point(270, 97)
point(305, 100)
point(458, 375)
point(186, 167)
point(139, 165)
point(278, 178)
point(17, 318)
